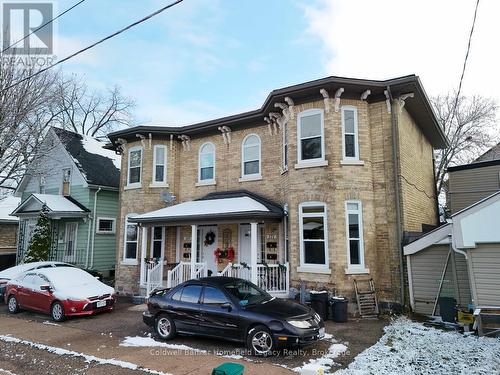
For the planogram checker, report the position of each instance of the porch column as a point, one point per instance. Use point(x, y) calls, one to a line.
point(144, 239)
point(194, 245)
point(253, 252)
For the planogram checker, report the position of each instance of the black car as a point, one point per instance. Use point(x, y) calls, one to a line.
point(233, 309)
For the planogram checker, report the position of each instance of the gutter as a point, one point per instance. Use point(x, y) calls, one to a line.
point(94, 228)
point(395, 155)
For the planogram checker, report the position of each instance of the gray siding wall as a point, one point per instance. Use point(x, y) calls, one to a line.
point(468, 186)
point(485, 266)
point(426, 271)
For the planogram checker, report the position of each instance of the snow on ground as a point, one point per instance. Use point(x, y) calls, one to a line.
point(88, 358)
point(48, 323)
point(326, 361)
point(139, 341)
point(409, 348)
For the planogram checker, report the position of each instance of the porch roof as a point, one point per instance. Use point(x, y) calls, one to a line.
point(233, 205)
point(58, 206)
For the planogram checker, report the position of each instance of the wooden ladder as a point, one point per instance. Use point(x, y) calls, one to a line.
point(487, 321)
point(367, 300)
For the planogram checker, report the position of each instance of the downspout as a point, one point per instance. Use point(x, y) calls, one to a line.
point(88, 242)
point(395, 156)
point(94, 227)
point(285, 231)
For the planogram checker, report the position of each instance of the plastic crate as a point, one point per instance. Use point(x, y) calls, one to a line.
point(229, 368)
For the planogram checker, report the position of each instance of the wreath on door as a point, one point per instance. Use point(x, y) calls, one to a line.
point(209, 238)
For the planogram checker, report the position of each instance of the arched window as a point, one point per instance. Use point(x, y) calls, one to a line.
point(251, 158)
point(206, 171)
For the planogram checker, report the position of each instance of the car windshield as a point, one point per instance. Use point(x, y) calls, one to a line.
point(246, 293)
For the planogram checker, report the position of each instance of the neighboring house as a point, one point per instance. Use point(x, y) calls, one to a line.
point(460, 259)
point(8, 231)
point(78, 181)
point(320, 185)
point(470, 183)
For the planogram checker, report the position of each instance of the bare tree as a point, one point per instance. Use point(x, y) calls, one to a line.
point(471, 128)
point(90, 112)
point(23, 119)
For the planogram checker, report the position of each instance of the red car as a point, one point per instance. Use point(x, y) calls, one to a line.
point(60, 292)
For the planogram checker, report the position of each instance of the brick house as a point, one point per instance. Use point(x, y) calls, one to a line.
point(319, 185)
point(8, 231)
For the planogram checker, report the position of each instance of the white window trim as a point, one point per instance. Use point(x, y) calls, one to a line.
point(346, 160)
point(317, 162)
point(162, 242)
point(113, 230)
point(211, 181)
point(163, 183)
point(355, 268)
point(252, 176)
point(125, 260)
point(134, 185)
point(311, 267)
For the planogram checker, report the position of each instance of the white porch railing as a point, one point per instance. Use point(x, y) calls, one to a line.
point(154, 277)
point(273, 278)
point(182, 272)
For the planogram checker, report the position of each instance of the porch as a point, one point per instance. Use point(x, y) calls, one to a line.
point(236, 234)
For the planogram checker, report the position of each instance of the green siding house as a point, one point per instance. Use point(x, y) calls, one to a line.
point(77, 180)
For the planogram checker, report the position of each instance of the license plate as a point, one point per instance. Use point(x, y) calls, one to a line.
point(321, 333)
point(100, 304)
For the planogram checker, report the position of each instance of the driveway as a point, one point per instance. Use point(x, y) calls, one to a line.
point(103, 334)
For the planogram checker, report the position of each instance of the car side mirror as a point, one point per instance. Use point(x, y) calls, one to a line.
point(45, 287)
point(226, 306)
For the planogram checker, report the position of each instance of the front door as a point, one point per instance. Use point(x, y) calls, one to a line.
point(245, 244)
point(70, 242)
point(207, 242)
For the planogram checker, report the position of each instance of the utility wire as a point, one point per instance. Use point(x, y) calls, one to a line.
point(42, 26)
point(95, 44)
point(465, 61)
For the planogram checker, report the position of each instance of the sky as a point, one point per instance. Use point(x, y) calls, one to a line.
point(204, 59)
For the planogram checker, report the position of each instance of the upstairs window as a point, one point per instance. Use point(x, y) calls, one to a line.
point(207, 163)
point(354, 224)
point(350, 133)
point(313, 234)
point(251, 156)
point(160, 164)
point(105, 225)
point(285, 147)
point(310, 132)
point(134, 165)
point(66, 181)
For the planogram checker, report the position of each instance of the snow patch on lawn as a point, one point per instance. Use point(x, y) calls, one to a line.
point(139, 341)
point(6, 372)
point(324, 362)
point(411, 348)
point(88, 358)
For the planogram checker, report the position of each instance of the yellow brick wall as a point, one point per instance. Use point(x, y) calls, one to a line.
point(371, 183)
point(417, 176)
point(8, 235)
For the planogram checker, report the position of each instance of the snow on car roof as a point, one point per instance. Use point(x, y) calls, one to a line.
point(12, 272)
point(67, 275)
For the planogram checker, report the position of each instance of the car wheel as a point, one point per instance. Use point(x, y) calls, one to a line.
point(260, 341)
point(12, 305)
point(57, 312)
point(165, 327)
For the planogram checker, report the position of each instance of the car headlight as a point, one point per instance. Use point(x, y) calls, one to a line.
point(300, 323)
